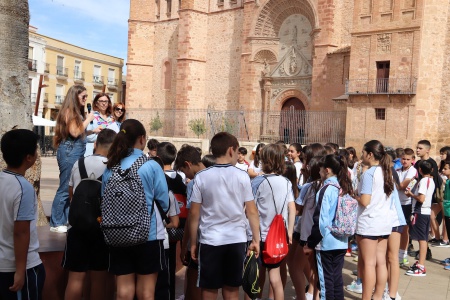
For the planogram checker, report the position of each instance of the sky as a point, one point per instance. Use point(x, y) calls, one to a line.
point(98, 25)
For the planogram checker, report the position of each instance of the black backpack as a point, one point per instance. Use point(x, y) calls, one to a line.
point(84, 209)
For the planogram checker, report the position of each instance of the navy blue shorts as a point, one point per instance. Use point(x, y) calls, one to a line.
point(407, 209)
point(419, 227)
point(142, 259)
point(374, 238)
point(221, 265)
point(32, 288)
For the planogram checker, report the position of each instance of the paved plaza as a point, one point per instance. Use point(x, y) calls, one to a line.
point(435, 286)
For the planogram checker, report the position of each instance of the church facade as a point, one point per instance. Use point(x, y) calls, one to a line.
point(300, 70)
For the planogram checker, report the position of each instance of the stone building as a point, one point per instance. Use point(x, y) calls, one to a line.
point(300, 70)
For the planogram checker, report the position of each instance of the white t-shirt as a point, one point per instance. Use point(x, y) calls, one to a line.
point(174, 210)
point(410, 173)
point(426, 187)
point(243, 166)
point(18, 202)
point(376, 218)
point(256, 169)
point(222, 191)
point(95, 166)
point(264, 198)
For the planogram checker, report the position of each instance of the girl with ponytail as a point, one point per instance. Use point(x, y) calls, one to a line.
point(374, 223)
point(136, 267)
point(330, 257)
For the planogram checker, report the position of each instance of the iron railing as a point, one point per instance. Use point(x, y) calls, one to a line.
point(113, 82)
point(98, 80)
point(77, 75)
point(59, 99)
point(381, 86)
point(32, 65)
point(61, 71)
point(33, 98)
point(290, 126)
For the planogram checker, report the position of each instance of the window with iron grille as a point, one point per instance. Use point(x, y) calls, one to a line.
point(380, 113)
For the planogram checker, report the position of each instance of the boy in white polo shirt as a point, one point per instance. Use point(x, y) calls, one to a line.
point(405, 174)
point(21, 270)
point(221, 197)
point(420, 220)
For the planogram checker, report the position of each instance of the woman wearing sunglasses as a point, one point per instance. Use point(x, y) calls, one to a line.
point(119, 113)
point(70, 140)
point(103, 117)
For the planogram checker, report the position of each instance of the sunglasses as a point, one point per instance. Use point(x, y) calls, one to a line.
point(84, 97)
point(119, 109)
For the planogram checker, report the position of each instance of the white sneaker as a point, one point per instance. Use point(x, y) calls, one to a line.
point(59, 229)
point(354, 287)
point(309, 296)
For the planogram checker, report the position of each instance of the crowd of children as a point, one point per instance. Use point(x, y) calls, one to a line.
point(221, 207)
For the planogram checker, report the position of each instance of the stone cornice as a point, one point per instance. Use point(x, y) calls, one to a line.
point(63, 51)
point(369, 32)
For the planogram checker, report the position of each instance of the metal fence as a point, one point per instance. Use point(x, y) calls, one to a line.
point(290, 126)
point(381, 86)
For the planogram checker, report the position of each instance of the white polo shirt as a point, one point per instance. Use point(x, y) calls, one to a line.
point(426, 187)
point(376, 218)
point(222, 191)
point(18, 202)
point(409, 173)
point(282, 196)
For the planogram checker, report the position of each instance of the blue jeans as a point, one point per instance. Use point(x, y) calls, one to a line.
point(68, 153)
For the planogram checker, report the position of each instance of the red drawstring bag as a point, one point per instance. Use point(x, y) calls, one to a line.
point(276, 246)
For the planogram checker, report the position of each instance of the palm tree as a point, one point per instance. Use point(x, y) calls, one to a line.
point(15, 104)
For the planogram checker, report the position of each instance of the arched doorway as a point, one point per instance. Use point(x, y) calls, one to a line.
point(292, 121)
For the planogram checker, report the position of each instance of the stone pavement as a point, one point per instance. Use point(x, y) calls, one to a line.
point(435, 286)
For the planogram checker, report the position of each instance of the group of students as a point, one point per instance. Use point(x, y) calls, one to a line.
point(226, 206)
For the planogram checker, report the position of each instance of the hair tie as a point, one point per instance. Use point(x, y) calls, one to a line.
point(123, 130)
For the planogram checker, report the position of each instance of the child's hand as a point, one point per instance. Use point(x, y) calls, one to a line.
point(194, 252)
point(254, 246)
point(290, 239)
point(19, 280)
point(408, 193)
point(307, 250)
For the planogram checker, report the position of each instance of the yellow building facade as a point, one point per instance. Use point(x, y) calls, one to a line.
point(64, 65)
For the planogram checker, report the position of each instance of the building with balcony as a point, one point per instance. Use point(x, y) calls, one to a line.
point(64, 65)
point(382, 63)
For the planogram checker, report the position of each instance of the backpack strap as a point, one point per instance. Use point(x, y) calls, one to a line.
point(82, 168)
point(161, 212)
point(273, 198)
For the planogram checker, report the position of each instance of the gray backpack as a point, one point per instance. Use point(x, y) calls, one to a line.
point(125, 218)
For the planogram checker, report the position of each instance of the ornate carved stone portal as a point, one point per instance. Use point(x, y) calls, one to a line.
point(294, 67)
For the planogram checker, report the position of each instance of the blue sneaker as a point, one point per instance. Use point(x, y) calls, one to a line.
point(446, 261)
point(354, 247)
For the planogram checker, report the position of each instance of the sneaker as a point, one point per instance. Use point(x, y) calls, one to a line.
point(355, 272)
point(404, 262)
point(59, 229)
point(434, 241)
point(447, 267)
point(445, 261)
point(348, 253)
point(355, 258)
point(410, 248)
point(354, 247)
point(309, 296)
point(354, 287)
point(415, 270)
point(429, 255)
point(443, 244)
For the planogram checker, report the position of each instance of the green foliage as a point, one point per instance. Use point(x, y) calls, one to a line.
point(197, 126)
point(155, 123)
point(228, 126)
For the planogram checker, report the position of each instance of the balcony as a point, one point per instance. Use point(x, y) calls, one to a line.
point(59, 99)
point(32, 65)
point(97, 80)
point(383, 86)
point(78, 76)
point(113, 84)
point(33, 98)
point(61, 72)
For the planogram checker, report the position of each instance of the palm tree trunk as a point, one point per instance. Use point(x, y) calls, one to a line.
point(15, 104)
